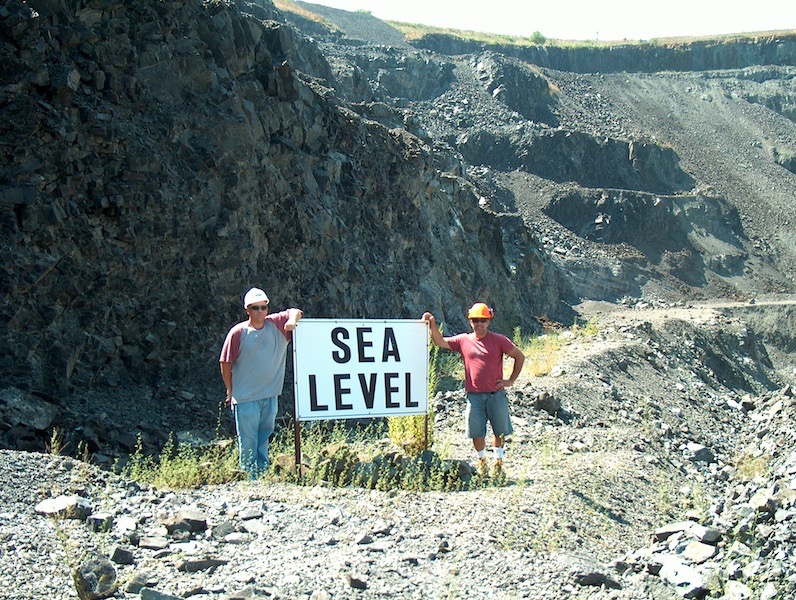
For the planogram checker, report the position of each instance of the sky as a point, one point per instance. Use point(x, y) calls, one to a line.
point(604, 20)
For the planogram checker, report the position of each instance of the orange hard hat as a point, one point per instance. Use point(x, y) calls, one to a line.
point(480, 310)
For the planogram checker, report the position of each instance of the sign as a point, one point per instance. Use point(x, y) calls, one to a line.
point(348, 369)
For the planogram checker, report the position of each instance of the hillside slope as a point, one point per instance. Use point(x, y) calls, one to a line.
point(160, 159)
point(663, 183)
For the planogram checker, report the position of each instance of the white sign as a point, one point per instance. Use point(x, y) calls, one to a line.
point(346, 369)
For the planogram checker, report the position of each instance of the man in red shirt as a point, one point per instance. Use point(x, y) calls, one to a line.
point(484, 382)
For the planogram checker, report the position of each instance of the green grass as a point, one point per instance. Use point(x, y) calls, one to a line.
point(412, 434)
point(342, 454)
point(56, 444)
point(415, 31)
point(292, 7)
point(356, 454)
point(384, 454)
point(377, 453)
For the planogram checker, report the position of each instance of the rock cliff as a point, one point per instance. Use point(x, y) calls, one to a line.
point(730, 52)
point(161, 158)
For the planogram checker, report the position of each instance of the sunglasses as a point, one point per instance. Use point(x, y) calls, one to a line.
point(479, 320)
point(259, 307)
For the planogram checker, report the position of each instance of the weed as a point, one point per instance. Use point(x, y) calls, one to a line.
point(83, 453)
point(357, 454)
point(665, 498)
point(56, 444)
point(182, 466)
point(446, 369)
point(589, 329)
point(543, 352)
point(412, 434)
point(292, 7)
point(382, 454)
point(750, 466)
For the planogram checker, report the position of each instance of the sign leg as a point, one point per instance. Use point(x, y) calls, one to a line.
point(297, 445)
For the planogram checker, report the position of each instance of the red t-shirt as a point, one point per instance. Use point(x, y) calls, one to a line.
point(483, 359)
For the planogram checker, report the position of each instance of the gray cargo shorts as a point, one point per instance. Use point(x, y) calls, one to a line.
point(492, 407)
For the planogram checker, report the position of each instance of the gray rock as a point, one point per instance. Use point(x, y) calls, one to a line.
point(185, 520)
point(706, 535)
point(148, 593)
point(700, 453)
point(666, 531)
point(200, 564)
point(154, 542)
point(250, 512)
point(698, 553)
point(20, 407)
point(548, 403)
point(101, 521)
point(687, 580)
point(136, 583)
point(356, 582)
point(65, 507)
point(363, 538)
point(122, 556)
point(736, 590)
point(597, 579)
point(95, 579)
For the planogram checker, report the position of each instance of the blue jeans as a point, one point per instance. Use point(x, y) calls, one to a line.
point(255, 421)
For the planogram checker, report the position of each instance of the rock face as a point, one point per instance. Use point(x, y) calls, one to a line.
point(160, 158)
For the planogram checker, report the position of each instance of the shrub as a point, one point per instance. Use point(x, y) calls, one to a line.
point(538, 38)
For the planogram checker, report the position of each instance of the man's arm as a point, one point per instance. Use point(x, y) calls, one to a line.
point(226, 375)
point(519, 360)
point(293, 319)
point(436, 334)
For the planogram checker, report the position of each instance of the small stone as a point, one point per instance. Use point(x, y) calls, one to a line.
point(363, 538)
point(356, 582)
point(122, 556)
point(697, 552)
point(65, 507)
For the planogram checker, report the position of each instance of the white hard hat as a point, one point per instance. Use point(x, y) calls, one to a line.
point(254, 295)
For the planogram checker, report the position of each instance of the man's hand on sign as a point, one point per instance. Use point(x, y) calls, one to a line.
point(436, 334)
